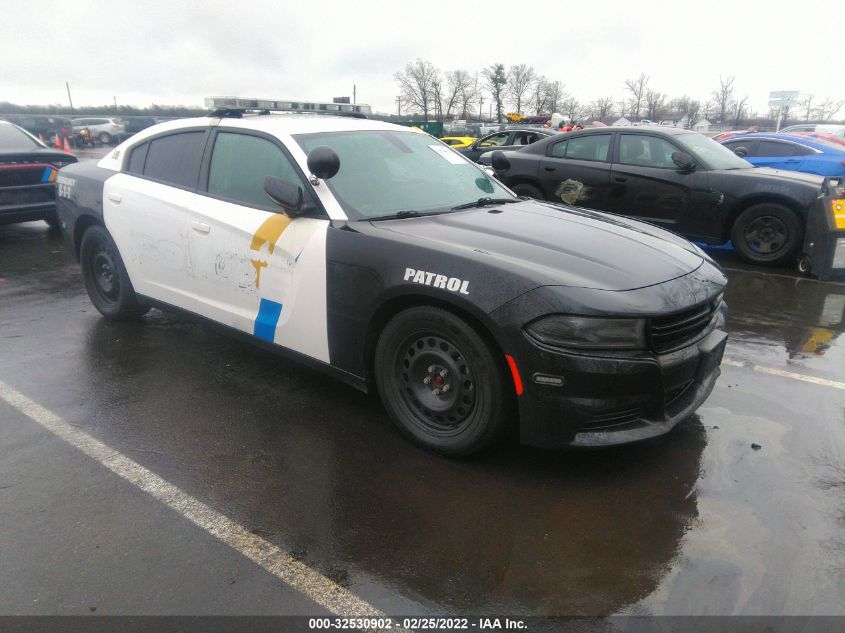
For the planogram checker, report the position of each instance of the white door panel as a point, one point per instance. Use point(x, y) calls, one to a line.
point(261, 273)
point(148, 221)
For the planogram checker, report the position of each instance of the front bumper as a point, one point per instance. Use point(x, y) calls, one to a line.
point(604, 401)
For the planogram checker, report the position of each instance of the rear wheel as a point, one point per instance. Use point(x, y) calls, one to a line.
point(440, 381)
point(767, 233)
point(527, 190)
point(105, 276)
point(105, 138)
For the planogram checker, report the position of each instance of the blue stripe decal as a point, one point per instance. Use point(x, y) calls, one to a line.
point(46, 176)
point(267, 319)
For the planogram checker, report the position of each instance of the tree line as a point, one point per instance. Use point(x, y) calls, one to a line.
point(443, 95)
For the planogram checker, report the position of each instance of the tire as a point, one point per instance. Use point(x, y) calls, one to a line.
point(413, 351)
point(105, 138)
point(52, 221)
point(767, 233)
point(528, 190)
point(105, 276)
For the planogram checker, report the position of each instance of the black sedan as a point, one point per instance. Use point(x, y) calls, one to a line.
point(28, 172)
point(674, 178)
point(511, 139)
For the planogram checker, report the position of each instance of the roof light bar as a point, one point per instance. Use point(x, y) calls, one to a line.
point(285, 105)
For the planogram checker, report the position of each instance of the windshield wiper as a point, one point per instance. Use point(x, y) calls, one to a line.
point(482, 202)
point(394, 216)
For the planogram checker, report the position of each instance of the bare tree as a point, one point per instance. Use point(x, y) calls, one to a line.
point(723, 96)
point(637, 88)
point(520, 78)
point(417, 84)
point(693, 112)
point(456, 83)
point(739, 109)
point(469, 95)
point(601, 108)
point(806, 105)
point(496, 81)
point(437, 88)
point(555, 94)
point(539, 95)
point(655, 104)
point(572, 109)
point(828, 109)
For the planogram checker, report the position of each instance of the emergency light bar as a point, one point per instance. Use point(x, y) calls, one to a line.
point(286, 105)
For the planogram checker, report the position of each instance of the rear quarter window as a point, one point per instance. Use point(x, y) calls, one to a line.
point(175, 159)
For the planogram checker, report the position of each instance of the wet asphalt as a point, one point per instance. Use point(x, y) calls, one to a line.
point(697, 522)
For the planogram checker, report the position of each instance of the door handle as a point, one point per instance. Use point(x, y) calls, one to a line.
point(115, 197)
point(549, 168)
point(620, 179)
point(200, 227)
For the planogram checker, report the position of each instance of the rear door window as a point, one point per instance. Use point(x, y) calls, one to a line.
point(776, 148)
point(175, 159)
point(593, 147)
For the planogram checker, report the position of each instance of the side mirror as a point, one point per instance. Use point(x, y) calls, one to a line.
point(500, 161)
point(741, 151)
point(286, 194)
point(683, 160)
point(323, 162)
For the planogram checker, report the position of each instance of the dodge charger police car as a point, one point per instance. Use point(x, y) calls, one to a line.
point(384, 258)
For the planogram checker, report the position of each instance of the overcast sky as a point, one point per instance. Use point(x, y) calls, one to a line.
point(179, 52)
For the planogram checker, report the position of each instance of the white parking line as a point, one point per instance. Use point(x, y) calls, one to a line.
point(292, 572)
point(785, 374)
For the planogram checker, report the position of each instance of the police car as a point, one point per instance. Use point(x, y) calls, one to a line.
point(386, 259)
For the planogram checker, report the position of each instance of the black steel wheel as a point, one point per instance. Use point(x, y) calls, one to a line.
point(528, 190)
point(440, 381)
point(105, 276)
point(767, 233)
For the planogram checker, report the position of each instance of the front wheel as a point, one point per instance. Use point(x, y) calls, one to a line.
point(527, 190)
point(105, 276)
point(767, 233)
point(440, 381)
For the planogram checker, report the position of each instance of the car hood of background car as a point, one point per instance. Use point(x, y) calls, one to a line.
point(783, 176)
point(557, 245)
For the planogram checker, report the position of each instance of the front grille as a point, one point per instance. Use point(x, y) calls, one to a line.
point(673, 332)
point(615, 420)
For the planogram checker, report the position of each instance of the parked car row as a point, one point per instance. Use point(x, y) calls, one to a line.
point(679, 180)
point(104, 130)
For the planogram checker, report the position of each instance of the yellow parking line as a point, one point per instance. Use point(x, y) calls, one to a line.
point(785, 374)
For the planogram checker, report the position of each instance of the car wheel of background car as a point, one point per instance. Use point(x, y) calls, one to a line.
point(105, 138)
point(766, 233)
point(105, 276)
point(440, 381)
point(528, 190)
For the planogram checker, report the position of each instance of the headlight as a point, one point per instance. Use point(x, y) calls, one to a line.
point(589, 333)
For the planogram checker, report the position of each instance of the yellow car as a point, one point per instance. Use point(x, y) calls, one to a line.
point(459, 142)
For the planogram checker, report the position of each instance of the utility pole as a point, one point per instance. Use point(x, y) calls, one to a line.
point(399, 105)
point(480, 106)
point(354, 92)
point(67, 85)
point(115, 104)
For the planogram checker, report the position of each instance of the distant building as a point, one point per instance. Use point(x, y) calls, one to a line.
point(702, 126)
point(622, 121)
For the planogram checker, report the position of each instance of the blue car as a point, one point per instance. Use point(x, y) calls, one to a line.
point(795, 152)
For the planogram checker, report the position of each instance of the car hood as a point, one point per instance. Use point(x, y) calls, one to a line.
point(775, 175)
point(553, 244)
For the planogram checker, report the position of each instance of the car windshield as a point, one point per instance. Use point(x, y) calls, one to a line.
point(12, 137)
point(716, 155)
point(388, 172)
